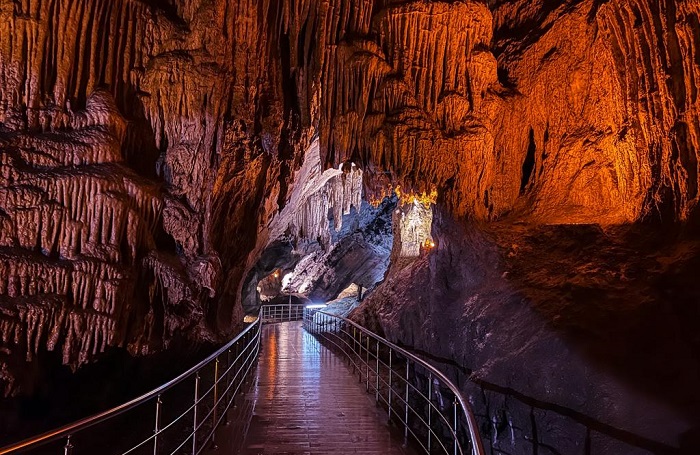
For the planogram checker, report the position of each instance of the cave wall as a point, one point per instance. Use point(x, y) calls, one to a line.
point(566, 339)
point(313, 220)
point(144, 145)
point(522, 107)
point(359, 255)
point(610, 101)
point(147, 147)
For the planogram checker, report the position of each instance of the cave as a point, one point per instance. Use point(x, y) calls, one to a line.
point(507, 189)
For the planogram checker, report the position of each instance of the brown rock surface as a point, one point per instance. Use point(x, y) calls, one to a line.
point(149, 150)
point(567, 339)
point(134, 135)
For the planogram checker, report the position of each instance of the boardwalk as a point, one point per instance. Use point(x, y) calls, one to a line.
point(305, 401)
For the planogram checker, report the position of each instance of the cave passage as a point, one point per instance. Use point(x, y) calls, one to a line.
point(511, 187)
point(304, 399)
point(332, 256)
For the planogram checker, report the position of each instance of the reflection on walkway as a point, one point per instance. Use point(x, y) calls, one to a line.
point(305, 401)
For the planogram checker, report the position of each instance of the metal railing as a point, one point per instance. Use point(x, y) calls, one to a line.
point(418, 397)
point(282, 312)
point(184, 413)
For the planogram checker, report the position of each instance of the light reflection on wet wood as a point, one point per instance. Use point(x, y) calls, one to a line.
point(306, 401)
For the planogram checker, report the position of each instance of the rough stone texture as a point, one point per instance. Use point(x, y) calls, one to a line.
point(614, 85)
point(570, 337)
point(360, 255)
point(134, 137)
point(149, 150)
point(319, 202)
point(325, 238)
point(563, 97)
point(413, 224)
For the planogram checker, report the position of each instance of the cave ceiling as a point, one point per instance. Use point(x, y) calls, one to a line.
point(148, 147)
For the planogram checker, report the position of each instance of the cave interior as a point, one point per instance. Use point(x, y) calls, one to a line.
point(508, 187)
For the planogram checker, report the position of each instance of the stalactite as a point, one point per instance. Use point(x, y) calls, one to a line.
point(316, 195)
point(513, 109)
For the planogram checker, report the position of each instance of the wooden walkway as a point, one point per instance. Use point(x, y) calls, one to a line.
point(306, 401)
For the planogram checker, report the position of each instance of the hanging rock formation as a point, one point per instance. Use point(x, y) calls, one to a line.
point(326, 237)
point(133, 135)
point(153, 153)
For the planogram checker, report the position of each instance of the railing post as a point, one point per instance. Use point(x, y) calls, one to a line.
point(376, 392)
point(455, 423)
point(367, 365)
point(354, 339)
point(68, 448)
point(235, 364)
point(159, 403)
point(430, 409)
point(196, 402)
point(214, 413)
point(228, 384)
point(359, 360)
point(391, 384)
point(405, 431)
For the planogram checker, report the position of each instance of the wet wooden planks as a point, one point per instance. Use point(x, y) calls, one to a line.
point(305, 401)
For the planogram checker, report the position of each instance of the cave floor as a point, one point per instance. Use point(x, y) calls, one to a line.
point(305, 401)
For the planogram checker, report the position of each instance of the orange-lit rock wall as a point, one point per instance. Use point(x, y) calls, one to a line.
point(151, 143)
point(605, 95)
point(560, 112)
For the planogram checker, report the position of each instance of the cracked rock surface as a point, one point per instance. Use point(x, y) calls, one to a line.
point(155, 156)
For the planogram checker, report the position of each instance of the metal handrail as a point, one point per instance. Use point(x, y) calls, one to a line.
point(251, 347)
point(358, 349)
point(282, 312)
point(247, 347)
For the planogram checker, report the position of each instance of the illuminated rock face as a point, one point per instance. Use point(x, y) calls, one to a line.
point(152, 151)
point(325, 238)
point(359, 254)
point(414, 222)
point(143, 147)
point(76, 221)
point(604, 96)
point(320, 198)
point(563, 98)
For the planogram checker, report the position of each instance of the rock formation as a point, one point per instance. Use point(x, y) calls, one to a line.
point(128, 130)
point(326, 237)
point(159, 157)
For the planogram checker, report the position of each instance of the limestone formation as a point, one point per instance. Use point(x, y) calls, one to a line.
point(158, 155)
